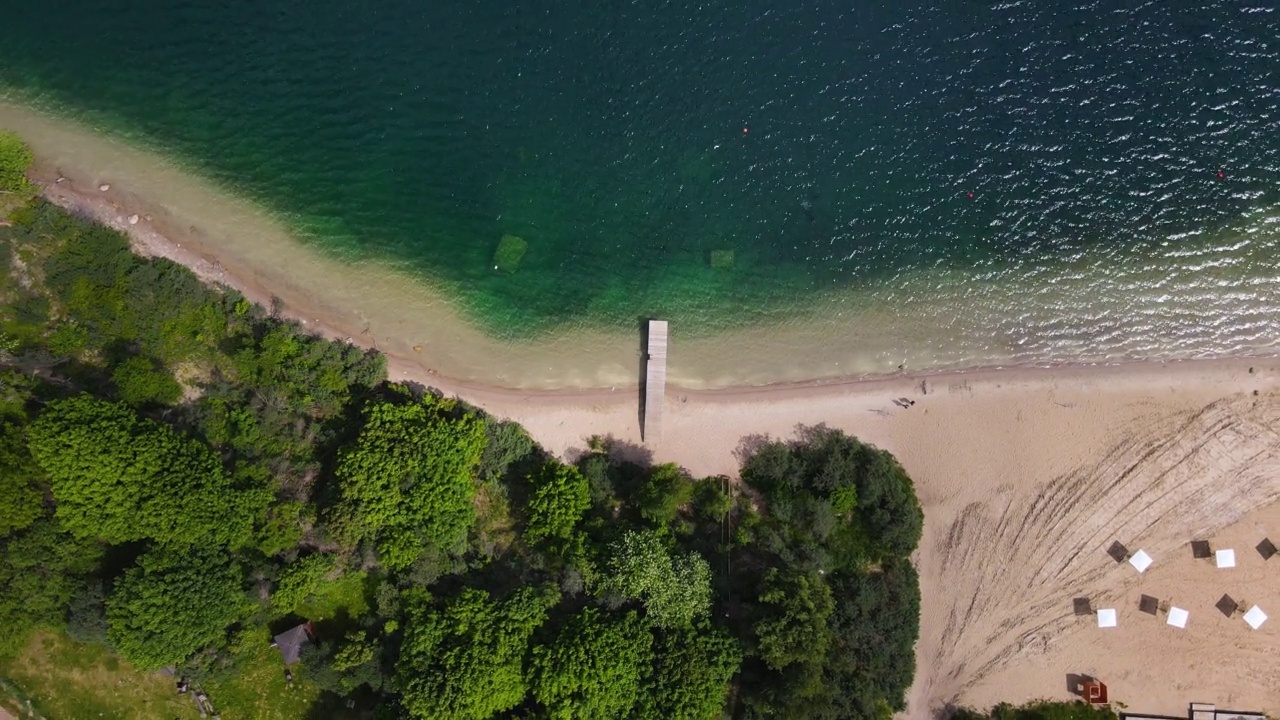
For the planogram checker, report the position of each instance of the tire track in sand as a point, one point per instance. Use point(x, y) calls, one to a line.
point(1012, 563)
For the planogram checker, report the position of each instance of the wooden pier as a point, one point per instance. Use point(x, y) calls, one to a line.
point(655, 381)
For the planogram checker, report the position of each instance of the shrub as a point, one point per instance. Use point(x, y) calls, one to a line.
point(15, 160)
point(508, 444)
point(663, 492)
point(300, 580)
point(141, 381)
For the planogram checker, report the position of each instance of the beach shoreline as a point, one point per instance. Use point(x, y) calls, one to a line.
point(940, 319)
point(1026, 474)
point(149, 239)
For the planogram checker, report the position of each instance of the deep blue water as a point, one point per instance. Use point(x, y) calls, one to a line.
point(826, 144)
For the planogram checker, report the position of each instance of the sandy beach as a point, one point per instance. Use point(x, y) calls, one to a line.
point(1027, 476)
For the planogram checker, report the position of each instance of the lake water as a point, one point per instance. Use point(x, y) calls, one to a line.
point(1029, 181)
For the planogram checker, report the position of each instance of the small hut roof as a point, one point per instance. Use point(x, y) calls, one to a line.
point(291, 641)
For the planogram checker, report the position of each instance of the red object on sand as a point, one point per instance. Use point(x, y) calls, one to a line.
point(1094, 691)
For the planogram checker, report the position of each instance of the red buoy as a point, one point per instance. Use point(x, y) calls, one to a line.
point(744, 131)
point(1221, 174)
point(970, 194)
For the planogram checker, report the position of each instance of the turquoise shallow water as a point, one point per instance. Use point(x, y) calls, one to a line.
point(829, 146)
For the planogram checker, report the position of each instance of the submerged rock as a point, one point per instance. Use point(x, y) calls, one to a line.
point(510, 252)
point(721, 259)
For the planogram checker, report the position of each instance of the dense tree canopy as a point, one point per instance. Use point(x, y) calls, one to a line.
point(663, 492)
point(173, 603)
point(675, 590)
point(300, 580)
point(21, 498)
point(795, 628)
point(875, 624)
point(837, 611)
point(558, 498)
point(408, 481)
point(593, 668)
point(41, 569)
point(118, 477)
point(465, 661)
point(838, 490)
point(184, 474)
point(692, 668)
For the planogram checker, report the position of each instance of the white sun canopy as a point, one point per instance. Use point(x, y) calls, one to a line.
point(1140, 561)
point(1255, 617)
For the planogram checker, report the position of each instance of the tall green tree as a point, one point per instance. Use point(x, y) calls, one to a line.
point(465, 660)
point(173, 603)
point(798, 606)
point(841, 500)
point(593, 668)
point(692, 669)
point(343, 667)
point(875, 625)
point(559, 497)
point(674, 589)
point(120, 478)
point(664, 490)
point(408, 481)
point(41, 568)
point(21, 499)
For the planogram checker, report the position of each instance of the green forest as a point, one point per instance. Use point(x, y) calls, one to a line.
point(184, 475)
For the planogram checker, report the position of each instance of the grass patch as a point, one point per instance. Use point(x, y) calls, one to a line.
point(495, 528)
point(346, 597)
point(257, 689)
point(66, 679)
point(509, 253)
